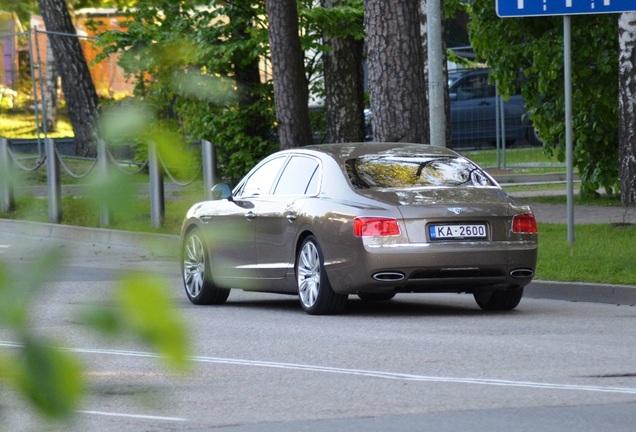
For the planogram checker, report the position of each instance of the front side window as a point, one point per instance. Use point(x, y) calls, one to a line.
point(475, 87)
point(395, 171)
point(260, 181)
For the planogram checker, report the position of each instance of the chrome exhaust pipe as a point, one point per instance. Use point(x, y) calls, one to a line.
point(521, 273)
point(388, 276)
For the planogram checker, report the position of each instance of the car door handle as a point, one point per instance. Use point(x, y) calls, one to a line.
point(291, 217)
point(250, 215)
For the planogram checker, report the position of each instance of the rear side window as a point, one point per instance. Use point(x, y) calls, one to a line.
point(394, 171)
point(299, 177)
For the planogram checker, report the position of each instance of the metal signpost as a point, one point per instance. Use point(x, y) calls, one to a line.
point(529, 8)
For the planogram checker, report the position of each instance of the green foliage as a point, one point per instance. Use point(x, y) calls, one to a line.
point(342, 21)
point(530, 50)
point(142, 304)
point(50, 378)
point(186, 59)
point(23, 8)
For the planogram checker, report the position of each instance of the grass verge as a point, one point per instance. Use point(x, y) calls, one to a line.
point(519, 160)
point(600, 254)
point(21, 124)
point(600, 200)
point(79, 211)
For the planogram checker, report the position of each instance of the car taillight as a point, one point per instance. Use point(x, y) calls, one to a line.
point(375, 227)
point(524, 224)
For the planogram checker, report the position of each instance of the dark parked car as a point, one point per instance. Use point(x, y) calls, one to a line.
point(473, 112)
point(372, 219)
point(473, 105)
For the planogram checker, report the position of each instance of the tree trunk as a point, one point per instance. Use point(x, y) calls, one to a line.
point(291, 96)
point(627, 107)
point(77, 84)
point(247, 73)
point(396, 77)
point(344, 86)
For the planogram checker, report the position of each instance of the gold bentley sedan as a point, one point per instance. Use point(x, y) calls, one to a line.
point(369, 219)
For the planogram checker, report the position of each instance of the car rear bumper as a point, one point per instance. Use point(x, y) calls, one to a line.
point(447, 267)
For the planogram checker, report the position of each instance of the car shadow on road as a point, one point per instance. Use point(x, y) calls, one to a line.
point(406, 306)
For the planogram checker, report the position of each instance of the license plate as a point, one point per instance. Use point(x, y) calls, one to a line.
point(439, 232)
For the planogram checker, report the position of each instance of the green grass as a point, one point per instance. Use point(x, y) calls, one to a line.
point(82, 168)
point(79, 211)
point(601, 200)
point(21, 124)
point(600, 254)
point(519, 160)
point(538, 187)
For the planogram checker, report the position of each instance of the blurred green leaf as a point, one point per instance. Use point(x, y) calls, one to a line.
point(104, 319)
point(17, 290)
point(52, 379)
point(149, 311)
point(219, 91)
point(117, 193)
point(8, 370)
point(120, 124)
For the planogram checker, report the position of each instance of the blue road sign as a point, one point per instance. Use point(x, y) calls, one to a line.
point(522, 8)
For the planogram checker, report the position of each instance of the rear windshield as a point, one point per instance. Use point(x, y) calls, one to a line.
point(394, 171)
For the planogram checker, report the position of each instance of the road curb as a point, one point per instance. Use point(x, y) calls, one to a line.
point(163, 242)
point(582, 292)
point(166, 244)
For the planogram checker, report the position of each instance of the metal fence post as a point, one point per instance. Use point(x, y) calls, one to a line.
point(102, 157)
point(6, 181)
point(157, 204)
point(210, 175)
point(54, 187)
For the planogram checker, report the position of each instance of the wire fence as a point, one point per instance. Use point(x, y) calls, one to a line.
point(10, 162)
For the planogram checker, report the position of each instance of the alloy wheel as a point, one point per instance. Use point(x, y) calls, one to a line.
point(193, 265)
point(308, 274)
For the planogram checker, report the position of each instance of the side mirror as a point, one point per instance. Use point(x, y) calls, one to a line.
point(221, 191)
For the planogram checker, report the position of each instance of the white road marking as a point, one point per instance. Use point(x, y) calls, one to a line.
point(360, 372)
point(4, 247)
point(137, 416)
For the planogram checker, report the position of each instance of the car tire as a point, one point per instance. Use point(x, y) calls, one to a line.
point(533, 137)
point(197, 275)
point(499, 300)
point(376, 297)
point(314, 290)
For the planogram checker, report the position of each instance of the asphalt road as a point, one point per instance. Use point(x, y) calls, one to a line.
point(419, 362)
